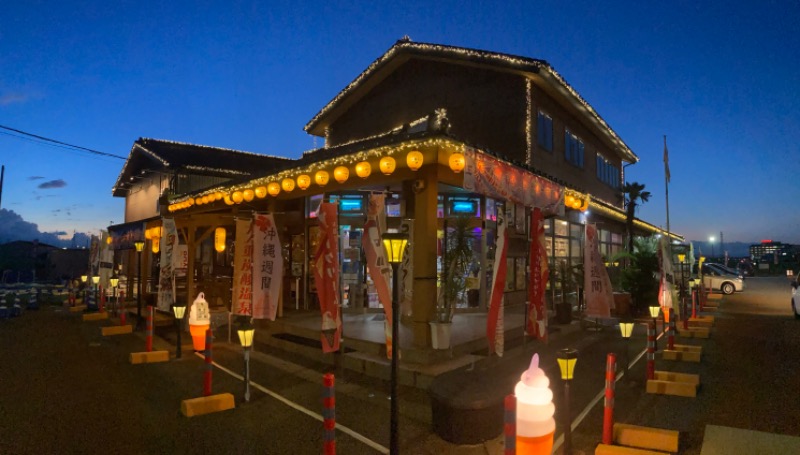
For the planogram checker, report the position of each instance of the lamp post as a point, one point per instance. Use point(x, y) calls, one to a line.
point(395, 245)
point(83, 284)
point(114, 281)
point(711, 241)
point(654, 310)
point(246, 332)
point(567, 358)
point(139, 245)
point(625, 329)
point(179, 310)
point(95, 282)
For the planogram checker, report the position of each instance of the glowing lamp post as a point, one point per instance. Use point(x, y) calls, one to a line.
point(179, 310)
point(567, 358)
point(246, 332)
point(83, 280)
point(654, 310)
point(395, 245)
point(625, 329)
point(95, 282)
point(114, 281)
point(139, 245)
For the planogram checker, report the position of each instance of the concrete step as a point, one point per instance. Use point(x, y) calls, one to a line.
point(646, 437)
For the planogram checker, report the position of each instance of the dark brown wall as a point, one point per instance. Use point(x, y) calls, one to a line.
point(485, 108)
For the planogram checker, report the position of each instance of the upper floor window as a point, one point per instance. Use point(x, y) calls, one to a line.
point(544, 131)
point(607, 172)
point(573, 149)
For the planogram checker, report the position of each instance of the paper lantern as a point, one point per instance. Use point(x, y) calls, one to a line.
point(190, 202)
point(303, 181)
point(204, 199)
point(198, 201)
point(287, 184)
point(321, 177)
point(237, 197)
point(457, 162)
point(387, 165)
point(156, 244)
point(228, 200)
point(274, 188)
point(363, 169)
point(261, 192)
point(248, 195)
point(219, 239)
point(414, 160)
point(109, 240)
point(341, 174)
point(147, 234)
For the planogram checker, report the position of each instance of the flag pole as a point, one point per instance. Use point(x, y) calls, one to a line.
point(666, 189)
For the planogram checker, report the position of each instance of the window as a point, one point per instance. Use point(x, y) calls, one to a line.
point(544, 131)
point(607, 172)
point(573, 149)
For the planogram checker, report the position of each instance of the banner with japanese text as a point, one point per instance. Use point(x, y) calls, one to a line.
point(325, 267)
point(243, 269)
point(407, 270)
point(597, 292)
point(495, 330)
point(94, 256)
point(536, 325)
point(267, 267)
point(379, 269)
point(166, 277)
point(666, 288)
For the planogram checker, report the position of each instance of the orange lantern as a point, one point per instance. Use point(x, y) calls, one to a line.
point(248, 195)
point(156, 244)
point(228, 200)
point(190, 202)
point(387, 165)
point(287, 184)
point(414, 160)
point(341, 174)
point(321, 177)
point(274, 188)
point(219, 239)
point(261, 192)
point(363, 169)
point(457, 162)
point(303, 181)
point(237, 197)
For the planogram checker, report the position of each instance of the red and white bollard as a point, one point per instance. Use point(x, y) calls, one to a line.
point(651, 351)
point(608, 403)
point(149, 340)
point(328, 414)
point(209, 365)
point(510, 425)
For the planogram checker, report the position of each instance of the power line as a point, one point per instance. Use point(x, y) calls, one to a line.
point(54, 141)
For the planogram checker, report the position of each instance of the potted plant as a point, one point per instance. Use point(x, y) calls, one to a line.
point(456, 265)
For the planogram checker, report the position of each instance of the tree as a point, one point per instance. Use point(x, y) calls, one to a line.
point(633, 193)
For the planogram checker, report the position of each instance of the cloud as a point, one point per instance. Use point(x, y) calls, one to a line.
point(53, 184)
point(13, 97)
point(35, 177)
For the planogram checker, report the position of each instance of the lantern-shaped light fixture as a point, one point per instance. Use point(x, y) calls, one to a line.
point(681, 257)
point(287, 184)
point(274, 188)
point(387, 165)
point(395, 245)
point(95, 279)
point(156, 244)
point(148, 234)
point(625, 329)
point(198, 201)
point(84, 278)
point(341, 174)
point(139, 245)
point(321, 178)
point(457, 162)
point(114, 282)
point(261, 192)
point(246, 332)
point(569, 200)
point(109, 240)
point(363, 169)
point(303, 181)
point(179, 310)
point(654, 310)
point(248, 195)
point(219, 239)
point(414, 160)
point(567, 358)
point(237, 197)
point(228, 200)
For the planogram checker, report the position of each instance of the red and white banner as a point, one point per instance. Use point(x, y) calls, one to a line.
point(243, 269)
point(267, 267)
point(325, 266)
point(166, 276)
point(665, 286)
point(536, 325)
point(379, 269)
point(596, 285)
point(495, 330)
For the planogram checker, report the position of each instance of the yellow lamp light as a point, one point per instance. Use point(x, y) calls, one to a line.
point(84, 278)
point(114, 282)
point(147, 234)
point(179, 310)
point(654, 310)
point(341, 174)
point(246, 332)
point(156, 244)
point(363, 169)
point(626, 328)
point(237, 197)
point(228, 200)
point(219, 239)
point(303, 181)
point(274, 188)
point(414, 160)
point(287, 184)
point(387, 165)
point(457, 162)
point(567, 358)
point(248, 195)
point(139, 245)
point(261, 192)
point(95, 279)
point(109, 240)
point(321, 177)
point(681, 257)
point(395, 245)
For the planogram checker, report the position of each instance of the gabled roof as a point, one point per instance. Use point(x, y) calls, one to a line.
point(539, 71)
point(169, 156)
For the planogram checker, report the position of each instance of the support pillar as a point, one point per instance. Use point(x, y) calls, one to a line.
point(425, 251)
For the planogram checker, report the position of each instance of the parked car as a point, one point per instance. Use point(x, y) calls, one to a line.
point(717, 280)
point(723, 269)
point(795, 300)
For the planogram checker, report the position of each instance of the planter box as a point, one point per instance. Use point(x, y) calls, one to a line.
point(440, 334)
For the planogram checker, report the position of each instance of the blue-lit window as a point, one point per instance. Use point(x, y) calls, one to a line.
point(573, 149)
point(544, 131)
point(607, 172)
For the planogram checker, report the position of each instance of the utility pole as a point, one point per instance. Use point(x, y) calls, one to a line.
point(2, 173)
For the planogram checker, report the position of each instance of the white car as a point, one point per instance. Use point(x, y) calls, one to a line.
point(726, 283)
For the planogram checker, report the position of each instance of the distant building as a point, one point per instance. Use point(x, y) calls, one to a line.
point(24, 262)
point(771, 252)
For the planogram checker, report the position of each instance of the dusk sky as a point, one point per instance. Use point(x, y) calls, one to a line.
point(720, 79)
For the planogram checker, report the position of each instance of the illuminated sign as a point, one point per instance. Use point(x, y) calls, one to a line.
point(351, 205)
point(463, 207)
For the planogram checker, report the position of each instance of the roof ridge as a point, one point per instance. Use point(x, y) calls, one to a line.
point(211, 147)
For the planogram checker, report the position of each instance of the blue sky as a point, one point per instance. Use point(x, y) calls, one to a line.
point(720, 79)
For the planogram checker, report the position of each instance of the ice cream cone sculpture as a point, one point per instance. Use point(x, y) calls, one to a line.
point(535, 409)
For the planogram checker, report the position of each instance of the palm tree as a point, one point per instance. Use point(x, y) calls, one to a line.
point(633, 193)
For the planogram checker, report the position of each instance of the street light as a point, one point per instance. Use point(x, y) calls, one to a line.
point(95, 281)
point(654, 310)
point(83, 281)
point(246, 332)
point(625, 329)
point(711, 241)
point(395, 245)
point(567, 358)
point(179, 310)
point(114, 283)
point(139, 245)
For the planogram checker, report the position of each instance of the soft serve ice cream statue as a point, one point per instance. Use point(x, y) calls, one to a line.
point(535, 409)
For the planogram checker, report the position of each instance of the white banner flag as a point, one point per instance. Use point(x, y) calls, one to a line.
point(267, 267)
